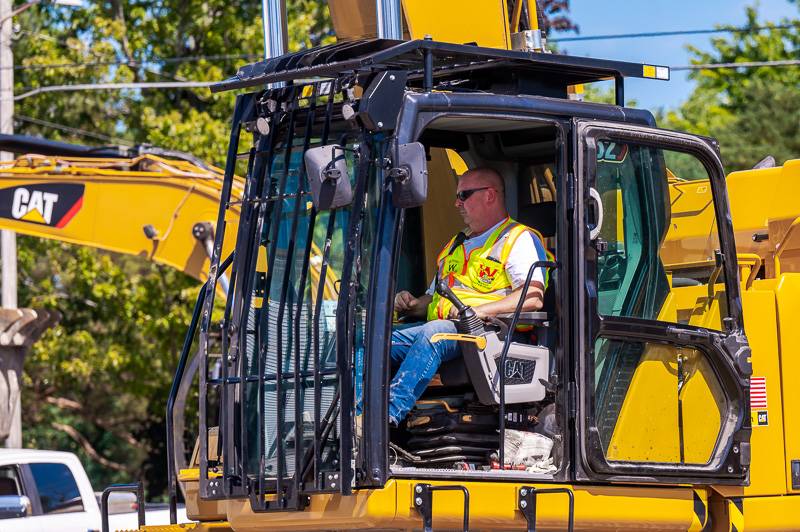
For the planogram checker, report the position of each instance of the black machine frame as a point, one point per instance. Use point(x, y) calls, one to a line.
point(480, 82)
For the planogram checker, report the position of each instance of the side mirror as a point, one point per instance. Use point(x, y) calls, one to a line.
point(409, 175)
point(328, 178)
point(14, 506)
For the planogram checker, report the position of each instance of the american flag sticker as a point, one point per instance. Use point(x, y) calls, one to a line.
point(758, 393)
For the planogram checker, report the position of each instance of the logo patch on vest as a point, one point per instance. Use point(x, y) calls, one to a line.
point(487, 274)
point(451, 265)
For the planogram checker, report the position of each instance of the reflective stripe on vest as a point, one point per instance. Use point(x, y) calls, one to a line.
point(481, 277)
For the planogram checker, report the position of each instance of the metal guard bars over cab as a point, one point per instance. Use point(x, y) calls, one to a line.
point(319, 139)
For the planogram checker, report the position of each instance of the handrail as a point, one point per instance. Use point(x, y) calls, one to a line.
point(504, 353)
point(527, 505)
point(744, 260)
point(136, 488)
point(754, 262)
point(779, 247)
point(172, 478)
point(423, 502)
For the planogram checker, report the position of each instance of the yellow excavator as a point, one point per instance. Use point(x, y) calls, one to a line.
point(138, 201)
point(656, 392)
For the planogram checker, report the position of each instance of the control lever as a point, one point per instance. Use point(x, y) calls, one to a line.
point(468, 321)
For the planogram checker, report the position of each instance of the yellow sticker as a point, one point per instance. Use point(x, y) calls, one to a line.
point(649, 71)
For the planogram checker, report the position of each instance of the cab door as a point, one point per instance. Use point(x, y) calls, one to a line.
point(662, 361)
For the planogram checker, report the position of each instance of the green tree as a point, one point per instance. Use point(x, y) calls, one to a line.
point(97, 383)
point(752, 110)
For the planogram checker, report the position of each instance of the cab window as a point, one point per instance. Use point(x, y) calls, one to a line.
point(659, 260)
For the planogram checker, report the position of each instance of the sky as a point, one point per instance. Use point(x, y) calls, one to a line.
point(638, 16)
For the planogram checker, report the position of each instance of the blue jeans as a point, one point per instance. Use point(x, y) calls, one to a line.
point(417, 360)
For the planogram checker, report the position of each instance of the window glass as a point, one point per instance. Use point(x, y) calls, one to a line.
point(661, 238)
point(656, 402)
point(293, 306)
point(58, 491)
point(9, 481)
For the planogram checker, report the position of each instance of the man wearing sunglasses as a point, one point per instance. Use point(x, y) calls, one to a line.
point(485, 266)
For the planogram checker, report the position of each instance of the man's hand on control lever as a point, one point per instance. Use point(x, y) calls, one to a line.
point(408, 305)
point(479, 312)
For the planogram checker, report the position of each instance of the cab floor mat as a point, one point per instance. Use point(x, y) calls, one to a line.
point(464, 438)
point(447, 423)
point(453, 450)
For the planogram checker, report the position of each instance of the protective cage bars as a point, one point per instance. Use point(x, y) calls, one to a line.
point(261, 327)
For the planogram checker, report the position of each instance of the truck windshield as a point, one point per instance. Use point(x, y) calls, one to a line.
point(291, 398)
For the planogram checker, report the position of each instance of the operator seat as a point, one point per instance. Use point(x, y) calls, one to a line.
point(542, 217)
point(8, 486)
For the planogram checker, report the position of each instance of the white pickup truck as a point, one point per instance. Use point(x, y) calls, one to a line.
point(45, 491)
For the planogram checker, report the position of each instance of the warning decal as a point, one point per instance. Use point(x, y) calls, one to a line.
point(53, 204)
point(758, 393)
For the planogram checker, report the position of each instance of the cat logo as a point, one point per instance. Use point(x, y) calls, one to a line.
point(33, 206)
point(51, 204)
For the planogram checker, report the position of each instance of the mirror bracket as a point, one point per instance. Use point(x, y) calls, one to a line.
point(329, 181)
point(409, 175)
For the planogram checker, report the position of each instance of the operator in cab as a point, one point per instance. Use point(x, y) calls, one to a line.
point(485, 266)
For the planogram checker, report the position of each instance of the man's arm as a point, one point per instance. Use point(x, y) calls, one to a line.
point(408, 305)
point(534, 300)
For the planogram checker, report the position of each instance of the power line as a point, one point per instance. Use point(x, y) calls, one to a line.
point(138, 64)
point(116, 86)
point(743, 29)
point(744, 64)
point(73, 130)
point(206, 84)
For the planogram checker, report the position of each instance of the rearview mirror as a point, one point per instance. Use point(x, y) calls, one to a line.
point(328, 178)
point(409, 175)
point(13, 506)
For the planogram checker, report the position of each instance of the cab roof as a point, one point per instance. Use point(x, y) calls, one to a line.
point(453, 66)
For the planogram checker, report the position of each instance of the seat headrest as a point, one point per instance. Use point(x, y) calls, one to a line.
point(540, 216)
point(8, 486)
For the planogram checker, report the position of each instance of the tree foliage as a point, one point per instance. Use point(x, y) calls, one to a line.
point(97, 383)
point(555, 16)
point(754, 112)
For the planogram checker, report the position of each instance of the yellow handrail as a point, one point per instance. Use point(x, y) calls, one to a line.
point(780, 246)
point(750, 263)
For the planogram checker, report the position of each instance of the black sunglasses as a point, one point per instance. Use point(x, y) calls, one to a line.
point(464, 195)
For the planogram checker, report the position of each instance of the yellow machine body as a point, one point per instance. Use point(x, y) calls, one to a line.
point(118, 199)
point(762, 201)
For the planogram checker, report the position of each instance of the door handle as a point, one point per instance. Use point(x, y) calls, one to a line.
point(595, 196)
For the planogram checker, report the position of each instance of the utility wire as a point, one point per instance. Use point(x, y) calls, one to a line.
point(206, 84)
point(136, 64)
point(743, 29)
point(115, 86)
point(744, 64)
point(73, 130)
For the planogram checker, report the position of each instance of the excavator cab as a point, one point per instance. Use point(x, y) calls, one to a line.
point(629, 371)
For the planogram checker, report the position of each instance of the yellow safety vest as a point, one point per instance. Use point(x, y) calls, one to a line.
point(481, 277)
